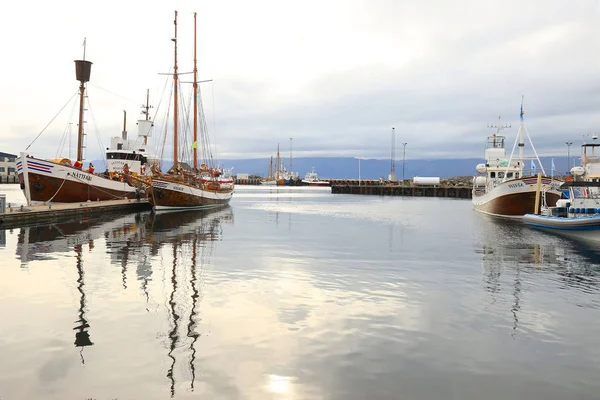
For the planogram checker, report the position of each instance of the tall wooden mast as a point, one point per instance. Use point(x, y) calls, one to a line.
point(83, 69)
point(175, 99)
point(195, 143)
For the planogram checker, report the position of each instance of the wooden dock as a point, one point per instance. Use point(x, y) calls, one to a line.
point(249, 181)
point(396, 190)
point(16, 216)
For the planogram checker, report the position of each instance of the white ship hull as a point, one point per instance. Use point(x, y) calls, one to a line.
point(514, 198)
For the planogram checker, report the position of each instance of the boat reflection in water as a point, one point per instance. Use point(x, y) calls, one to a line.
point(136, 238)
point(190, 234)
point(512, 253)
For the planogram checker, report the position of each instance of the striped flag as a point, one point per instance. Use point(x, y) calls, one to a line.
point(521, 116)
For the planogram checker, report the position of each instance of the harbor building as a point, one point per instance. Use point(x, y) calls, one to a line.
point(8, 164)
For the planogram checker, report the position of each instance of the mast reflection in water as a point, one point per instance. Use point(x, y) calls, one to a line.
point(509, 262)
point(137, 238)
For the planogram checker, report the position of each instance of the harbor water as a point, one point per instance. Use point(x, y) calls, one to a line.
point(295, 293)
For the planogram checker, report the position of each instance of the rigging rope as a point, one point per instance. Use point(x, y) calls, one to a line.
point(111, 92)
point(67, 133)
point(63, 107)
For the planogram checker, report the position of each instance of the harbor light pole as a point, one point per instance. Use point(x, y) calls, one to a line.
point(358, 171)
point(568, 155)
point(403, 161)
point(291, 155)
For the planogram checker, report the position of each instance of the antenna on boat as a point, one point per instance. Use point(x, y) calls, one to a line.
point(83, 70)
point(499, 126)
point(146, 111)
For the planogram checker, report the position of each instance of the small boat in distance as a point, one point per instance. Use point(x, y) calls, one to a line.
point(182, 187)
point(61, 181)
point(503, 187)
point(269, 180)
point(579, 214)
point(312, 179)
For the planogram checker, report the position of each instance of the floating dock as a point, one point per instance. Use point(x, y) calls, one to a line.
point(396, 190)
point(14, 216)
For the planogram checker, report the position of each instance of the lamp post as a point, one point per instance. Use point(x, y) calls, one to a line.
point(403, 161)
point(568, 155)
point(358, 171)
point(291, 155)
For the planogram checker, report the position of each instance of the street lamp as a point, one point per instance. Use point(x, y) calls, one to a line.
point(568, 155)
point(291, 155)
point(358, 171)
point(403, 161)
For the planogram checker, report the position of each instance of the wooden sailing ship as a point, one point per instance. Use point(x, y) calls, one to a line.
point(202, 186)
point(60, 180)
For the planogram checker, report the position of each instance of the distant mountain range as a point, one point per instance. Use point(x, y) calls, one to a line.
point(348, 167)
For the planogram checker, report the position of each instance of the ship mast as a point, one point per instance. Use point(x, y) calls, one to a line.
point(195, 145)
point(147, 111)
point(175, 98)
point(83, 69)
point(521, 135)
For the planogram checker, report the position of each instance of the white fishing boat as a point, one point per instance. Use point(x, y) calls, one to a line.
point(503, 186)
point(132, 155)
point(59, 180)
point(312, 179)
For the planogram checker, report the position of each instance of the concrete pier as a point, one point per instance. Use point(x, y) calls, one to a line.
point(9, 179)
point(249, 181)
point(395, 190)
point(26, 215)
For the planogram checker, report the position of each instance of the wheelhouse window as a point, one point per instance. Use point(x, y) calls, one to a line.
point(509, 174)
point(125, 156)
point(492, 174)
point(500, 174)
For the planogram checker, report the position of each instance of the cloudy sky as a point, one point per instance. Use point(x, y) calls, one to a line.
point(334, 75)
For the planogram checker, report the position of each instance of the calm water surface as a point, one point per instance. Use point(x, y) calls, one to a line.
point(298, 294)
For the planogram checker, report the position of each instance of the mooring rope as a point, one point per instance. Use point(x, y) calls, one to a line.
point(58, 190)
